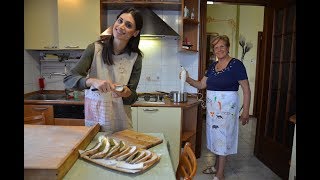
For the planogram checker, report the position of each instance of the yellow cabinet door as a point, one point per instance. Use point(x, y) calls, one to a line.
point(163, 120)
point(40, 24)
point(78, 23)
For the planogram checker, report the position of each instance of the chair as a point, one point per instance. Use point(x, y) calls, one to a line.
point(187, 167)
point(36, 119)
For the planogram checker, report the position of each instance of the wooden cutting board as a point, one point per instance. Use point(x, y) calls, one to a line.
point(134, 138)
point(50, 151)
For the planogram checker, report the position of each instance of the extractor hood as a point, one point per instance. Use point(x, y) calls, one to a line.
point(153, 26)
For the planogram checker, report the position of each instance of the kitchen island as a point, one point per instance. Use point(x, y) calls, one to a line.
point(179, 122)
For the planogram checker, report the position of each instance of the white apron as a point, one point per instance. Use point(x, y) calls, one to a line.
point(105, 108)
point(222, 122)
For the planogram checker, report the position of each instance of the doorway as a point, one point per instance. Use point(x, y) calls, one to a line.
point(276, 99)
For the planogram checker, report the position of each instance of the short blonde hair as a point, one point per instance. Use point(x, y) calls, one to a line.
point(224, 38)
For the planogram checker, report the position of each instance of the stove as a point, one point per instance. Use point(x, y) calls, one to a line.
point(151, 97)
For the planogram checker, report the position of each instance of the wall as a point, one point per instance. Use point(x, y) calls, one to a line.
point(250, 23)
point(31, 71)
point(235, 20)
point(160, 67)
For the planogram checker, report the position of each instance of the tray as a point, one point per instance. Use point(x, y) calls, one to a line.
point(116, 165)
point(119, 164)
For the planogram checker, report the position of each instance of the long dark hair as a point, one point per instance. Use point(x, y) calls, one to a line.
point(133, 43)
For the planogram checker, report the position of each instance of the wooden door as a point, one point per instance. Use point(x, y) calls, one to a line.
point(277, 100)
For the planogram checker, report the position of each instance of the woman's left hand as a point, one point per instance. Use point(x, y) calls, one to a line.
point(244, 118)
point(124, 93)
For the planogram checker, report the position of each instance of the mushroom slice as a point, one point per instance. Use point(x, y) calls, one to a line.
point(121, 152)
point(96, 148)
point(148, 155)
point(132, 150)
point(138, 156)
point(115, 147)
point(104, 151)
point(123, 146)
point(129, 159)
point(153, 159)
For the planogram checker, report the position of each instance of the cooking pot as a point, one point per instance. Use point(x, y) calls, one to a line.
point(176, 96)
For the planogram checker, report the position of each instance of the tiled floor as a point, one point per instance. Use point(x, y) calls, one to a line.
point(241, 166)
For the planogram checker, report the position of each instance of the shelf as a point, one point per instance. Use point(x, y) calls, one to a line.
point(162, 5)
point(190, 21)
point(189, 27)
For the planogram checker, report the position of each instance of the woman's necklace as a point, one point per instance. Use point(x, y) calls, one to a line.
point(116, 52)
point(221, 65)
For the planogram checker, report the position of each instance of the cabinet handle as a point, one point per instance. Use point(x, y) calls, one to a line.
point(150, 109)
point(72, 47)
point(40, 108)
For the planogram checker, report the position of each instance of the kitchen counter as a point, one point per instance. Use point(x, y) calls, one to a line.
point(50, 102)
point(83, 170)
point(192, 101)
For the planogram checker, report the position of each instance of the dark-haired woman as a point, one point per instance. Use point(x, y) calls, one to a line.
point(103, 65)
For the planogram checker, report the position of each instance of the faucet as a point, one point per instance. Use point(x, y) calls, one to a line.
point(57, 74)
point(67, 91)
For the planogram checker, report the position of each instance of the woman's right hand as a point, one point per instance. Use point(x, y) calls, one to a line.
point(102, 85)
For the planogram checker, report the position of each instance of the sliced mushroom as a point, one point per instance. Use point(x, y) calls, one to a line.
point(138, 157)
point(132, 156)
point(97, 148)
point(104, 151)
point(148, 155)
point(121, 153)
point(132, 150)
point(114, 147)
point(153, 159)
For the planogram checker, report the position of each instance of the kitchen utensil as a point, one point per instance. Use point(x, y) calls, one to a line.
point(177, 96)
point(183, 79)
point(117, 87)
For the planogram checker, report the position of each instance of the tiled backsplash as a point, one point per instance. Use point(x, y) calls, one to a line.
point(160, 68)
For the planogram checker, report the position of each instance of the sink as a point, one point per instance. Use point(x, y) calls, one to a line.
point(46, 97)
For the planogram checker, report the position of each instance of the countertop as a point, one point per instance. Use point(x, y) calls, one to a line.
point(71, 101)
point(192, 101)
point(83, 170)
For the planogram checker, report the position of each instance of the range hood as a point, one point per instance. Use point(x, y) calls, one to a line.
point(153, 26)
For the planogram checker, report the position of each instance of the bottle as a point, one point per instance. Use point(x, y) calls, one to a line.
point(183, 79)
point(192, 13)
point(186, 11)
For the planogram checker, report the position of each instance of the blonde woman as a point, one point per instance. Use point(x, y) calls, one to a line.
point(222, 81)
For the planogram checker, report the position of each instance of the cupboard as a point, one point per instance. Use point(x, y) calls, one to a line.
point(31, 110)
point(178, 124)
point(60, 24)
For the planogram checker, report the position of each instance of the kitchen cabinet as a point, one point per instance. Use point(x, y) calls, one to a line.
point(61, 24)
point(178, 124)
point(40, 24)
point(189, 27)
point(31, 110)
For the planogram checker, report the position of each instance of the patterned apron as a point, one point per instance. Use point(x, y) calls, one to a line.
point(222, 122)
point(106, 108)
